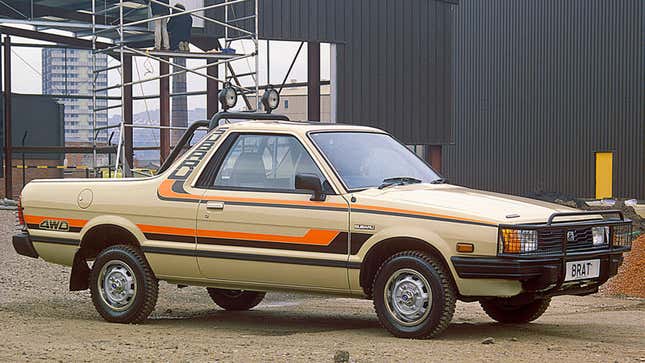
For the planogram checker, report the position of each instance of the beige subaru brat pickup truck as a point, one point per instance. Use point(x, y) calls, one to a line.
point(269, 204)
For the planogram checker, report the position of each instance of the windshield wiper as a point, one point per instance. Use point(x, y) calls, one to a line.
point(399, 180)
point(439, 181)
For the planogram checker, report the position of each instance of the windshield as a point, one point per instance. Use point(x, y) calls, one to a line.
point(365, 160)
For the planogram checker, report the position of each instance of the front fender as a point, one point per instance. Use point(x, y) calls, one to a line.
point(428, 236)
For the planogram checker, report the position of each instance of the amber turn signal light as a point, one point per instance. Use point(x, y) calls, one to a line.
point(465, 247)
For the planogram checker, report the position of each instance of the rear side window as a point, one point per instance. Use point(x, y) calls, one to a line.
point(266, 162)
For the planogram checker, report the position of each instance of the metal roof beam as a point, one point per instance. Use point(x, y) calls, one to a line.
point(54, 38)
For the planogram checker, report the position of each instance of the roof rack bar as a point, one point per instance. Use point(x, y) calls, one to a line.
point(225, 115)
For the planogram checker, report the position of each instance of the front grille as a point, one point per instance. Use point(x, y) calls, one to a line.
point(579, 239)
point(552, 240)
point(560, 238)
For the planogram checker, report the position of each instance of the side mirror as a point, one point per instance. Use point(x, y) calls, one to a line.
point(311, 182)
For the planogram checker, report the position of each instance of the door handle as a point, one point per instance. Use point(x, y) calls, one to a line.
point(215, 205)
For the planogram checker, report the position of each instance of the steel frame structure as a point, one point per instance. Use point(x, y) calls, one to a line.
point(123, 47)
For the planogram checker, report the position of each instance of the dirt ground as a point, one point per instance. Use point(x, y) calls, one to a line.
point(41, 320)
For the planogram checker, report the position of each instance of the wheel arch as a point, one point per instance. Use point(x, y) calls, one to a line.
point(101, 236)
point(382, 250)
point(96, 236)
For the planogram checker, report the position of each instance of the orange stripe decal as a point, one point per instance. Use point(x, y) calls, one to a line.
point(312, 237)
point(165, 190)
point(30, 219)
point(406, 211)
point(316, 237)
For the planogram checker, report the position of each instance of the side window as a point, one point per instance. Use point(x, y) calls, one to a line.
point(265, 162)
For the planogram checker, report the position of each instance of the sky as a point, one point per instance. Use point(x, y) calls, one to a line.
point(27, 70)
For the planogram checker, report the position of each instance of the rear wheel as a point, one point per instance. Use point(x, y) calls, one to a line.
point(122, 285)
point(235, 299)
point(413, 296)
point(504, 311)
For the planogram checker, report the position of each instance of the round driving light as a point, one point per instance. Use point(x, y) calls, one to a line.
point(227, 96)
point(270, 99)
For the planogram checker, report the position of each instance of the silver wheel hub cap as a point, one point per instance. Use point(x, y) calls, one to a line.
point(117, 285)
point(408, 297)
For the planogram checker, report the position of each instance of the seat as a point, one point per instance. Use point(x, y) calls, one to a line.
point(249, 171)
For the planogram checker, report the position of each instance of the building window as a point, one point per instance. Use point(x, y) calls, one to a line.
point(286, 103)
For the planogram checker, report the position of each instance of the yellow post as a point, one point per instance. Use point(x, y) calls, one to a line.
point(604, 168)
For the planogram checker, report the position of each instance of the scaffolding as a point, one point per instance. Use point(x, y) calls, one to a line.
point(127, 37)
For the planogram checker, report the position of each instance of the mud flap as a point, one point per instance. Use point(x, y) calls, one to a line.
point(79, 278)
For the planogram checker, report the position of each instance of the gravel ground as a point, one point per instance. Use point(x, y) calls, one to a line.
point(41, 320)
point(630, 280)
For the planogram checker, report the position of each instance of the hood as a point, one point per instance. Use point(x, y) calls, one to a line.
point(464, 202)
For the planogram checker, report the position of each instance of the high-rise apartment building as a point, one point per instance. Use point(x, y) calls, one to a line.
point(69, 72)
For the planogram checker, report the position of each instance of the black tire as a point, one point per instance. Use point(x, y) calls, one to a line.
point(423, 273)
point(504, 311)
point(235, 299)
point(128, 268)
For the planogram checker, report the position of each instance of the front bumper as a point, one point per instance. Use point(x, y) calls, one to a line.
point(538, 273)
point(23, 245)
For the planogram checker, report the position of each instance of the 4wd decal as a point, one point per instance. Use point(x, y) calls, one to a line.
point(54, 225)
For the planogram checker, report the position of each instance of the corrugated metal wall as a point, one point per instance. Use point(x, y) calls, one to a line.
point(393, 65)
point(539, 87)
point(394, 71)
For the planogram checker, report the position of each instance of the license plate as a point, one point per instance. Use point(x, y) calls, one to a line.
point(580, 270)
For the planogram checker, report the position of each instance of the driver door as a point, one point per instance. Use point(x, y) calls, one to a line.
point(255, 229)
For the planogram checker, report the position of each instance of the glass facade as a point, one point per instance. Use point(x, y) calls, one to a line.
point(69, 72)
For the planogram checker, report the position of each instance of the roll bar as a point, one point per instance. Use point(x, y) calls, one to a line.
point(213, 123)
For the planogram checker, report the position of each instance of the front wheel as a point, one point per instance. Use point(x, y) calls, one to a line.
point(413, 295)
point(123, 286)
point(235, 299)
point(503, 311)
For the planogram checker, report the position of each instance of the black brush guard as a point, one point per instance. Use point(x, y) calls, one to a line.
point(543, 274)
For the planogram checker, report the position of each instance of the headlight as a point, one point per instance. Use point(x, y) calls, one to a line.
point(600, 235)
point(227, 96)
point(621, 235)
point(270, 99)
point(518, 240)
